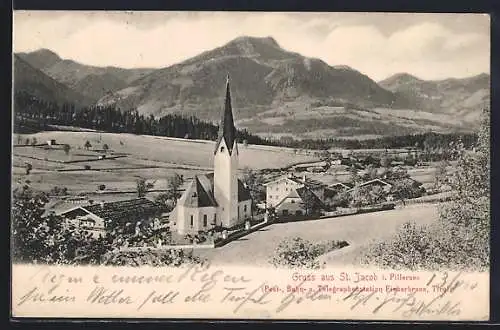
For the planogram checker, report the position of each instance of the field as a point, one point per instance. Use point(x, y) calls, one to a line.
point(358, 230)
point(153, 158)
point(302, 119)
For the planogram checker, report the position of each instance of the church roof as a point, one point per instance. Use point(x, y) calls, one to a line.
point(227, 131)
point(197, 195)
point(200, 192)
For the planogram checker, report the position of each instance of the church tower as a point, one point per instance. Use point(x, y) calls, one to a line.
point(226, 167)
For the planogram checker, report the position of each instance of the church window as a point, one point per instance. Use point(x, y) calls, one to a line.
point(222, 149)
point(192, 220)
point(245, 208)
point(204, 220)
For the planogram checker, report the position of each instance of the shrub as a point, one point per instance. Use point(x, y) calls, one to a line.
point(148, 257)
point(297, 252)
point(66, 148)
point(59, 191)
point(101, 187)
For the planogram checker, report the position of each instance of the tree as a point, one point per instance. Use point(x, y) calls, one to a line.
point(355, 178)
point(66, 149)
point(341, 199)
point(28, 168)
point(254, 183)
point(27, 141)
point(175, 181)
point(87, 145)
point(370, 173)
point(101, 187)
point(105, 147)
point(441, 175)
point(143, 187)
point(43, 239)
point(385, 161)
point(361, 196)
point(34, 141)
point(166, 200)
point(406, 188)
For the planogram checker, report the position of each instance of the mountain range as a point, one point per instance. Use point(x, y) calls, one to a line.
point(274, 91)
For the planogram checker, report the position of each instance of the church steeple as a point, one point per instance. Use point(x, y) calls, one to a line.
point(227, 131)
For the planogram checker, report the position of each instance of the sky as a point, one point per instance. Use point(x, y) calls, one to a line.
point(429, 46)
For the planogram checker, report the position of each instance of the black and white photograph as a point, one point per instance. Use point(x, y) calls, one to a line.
point(276, 164)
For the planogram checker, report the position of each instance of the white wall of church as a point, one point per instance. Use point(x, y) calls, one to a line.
point(192, 220)
point(226, 183)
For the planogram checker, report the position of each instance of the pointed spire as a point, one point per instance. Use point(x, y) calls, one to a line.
point(227, 131)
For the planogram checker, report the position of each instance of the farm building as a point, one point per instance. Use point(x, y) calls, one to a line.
point(219, 198)
point(101, 217)
point(340, 186)
point(385, 185)
point(295, 196)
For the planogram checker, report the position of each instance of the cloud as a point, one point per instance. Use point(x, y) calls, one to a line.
point(427, 49)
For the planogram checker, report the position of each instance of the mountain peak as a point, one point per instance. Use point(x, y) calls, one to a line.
point(404, 77)
point(270, 41)
point(45, 52)
point(41, 58)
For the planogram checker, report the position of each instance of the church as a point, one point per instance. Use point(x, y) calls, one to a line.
point(217, 199)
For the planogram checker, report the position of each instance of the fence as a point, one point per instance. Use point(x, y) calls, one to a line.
point(238, 234)
point(167, 247)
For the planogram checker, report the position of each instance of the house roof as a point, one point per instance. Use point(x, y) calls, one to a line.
point(340, 184)
point(304, 194)
point(307, 194)
point(119, 211)
point(200, 192)
point(311, 183)
point(375, 181)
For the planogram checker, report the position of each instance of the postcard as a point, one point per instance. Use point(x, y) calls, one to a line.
point(250, 165)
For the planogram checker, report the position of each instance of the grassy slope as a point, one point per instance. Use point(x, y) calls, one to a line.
point(153, 158)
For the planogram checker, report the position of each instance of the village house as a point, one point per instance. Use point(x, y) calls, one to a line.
point(384, 184)
point(295, 196)
point(218, 199)
point(101, 217)
point(340, 187)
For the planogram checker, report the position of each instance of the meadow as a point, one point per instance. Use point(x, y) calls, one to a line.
point(140, 156)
